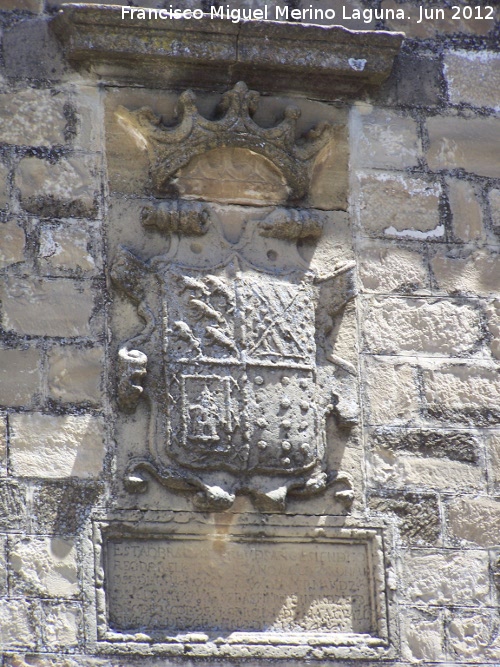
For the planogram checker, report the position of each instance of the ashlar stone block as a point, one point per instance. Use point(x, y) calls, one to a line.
point(67, 248)
point(391, 391)
point(463, 393)
point(44, 566)
point(39, 115)
point(412, 325)
point(66, 188)
point(467, 216)
point(383, 139)
point(74, 375)
point(467, 271)
point(399, 206)
point(422, 635)
point(61, 625)
point(473, 77)
point(16, 628)
point(471, 144)
point(12, 241)
point(391, 267)
point(47, 446)
point(19, 376)
point(61, 307)
point(447, 577)
point(475, 520)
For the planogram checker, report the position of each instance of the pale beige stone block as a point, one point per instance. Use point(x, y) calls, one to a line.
point(39, 117)
point(451, 577)
point(19, 376)
point(473, 636)
point(467, 217)
point(493, 315)
point(389, 469)
point(11, 243)
point(44, 566)
point(61, 625)
point(62, 189)
point(475, 520)
point(66, 247)
point(471, 144)
point(59, 307)
point(394, 325)
point(470, 393)
point(399, 206)
point(56, 447)
point(494, 198)
point(473, 77)
point(391, 391)
point(383, 138)
point(16, 628)
point(467, 272)
point(4, 187)
point(422, 636)
point(389, 268)
point(75, 375)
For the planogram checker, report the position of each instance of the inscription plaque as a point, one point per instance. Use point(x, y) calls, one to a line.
point(255, 586)
point(201, 585)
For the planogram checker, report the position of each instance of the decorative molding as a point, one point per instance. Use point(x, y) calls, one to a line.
point(170, 149)
point(322, 62)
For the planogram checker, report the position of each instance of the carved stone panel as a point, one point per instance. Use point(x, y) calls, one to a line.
point(255, 591)
point(235, 370)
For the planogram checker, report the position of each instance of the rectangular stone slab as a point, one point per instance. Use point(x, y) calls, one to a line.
point(277, 591)
point(237, 586)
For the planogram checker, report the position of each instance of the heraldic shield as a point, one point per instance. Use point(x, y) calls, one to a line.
point(240, 371)
point(241, 388)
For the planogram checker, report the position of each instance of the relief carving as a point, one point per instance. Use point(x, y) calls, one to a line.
point(239, 373)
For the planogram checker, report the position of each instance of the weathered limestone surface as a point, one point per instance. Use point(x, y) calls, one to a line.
point(473, 78)
point(46, 446)
point(20, 376)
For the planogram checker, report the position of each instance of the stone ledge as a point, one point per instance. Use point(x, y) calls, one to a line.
point(287, 58)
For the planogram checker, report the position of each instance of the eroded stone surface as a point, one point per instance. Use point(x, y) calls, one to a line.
point(399, 207)
point(75, 374)
point(19, 376)
point(43, 307)
point(467, 216)
point(17, 627)
point(12, 241)
point(66, 188)
point(466, 394)
point(62, 625)
point(493, 316)
point(39, 114)
point(447, 577)
point(67, 247)
point(422, 636)
point(464, 143)
point(473, 77)
point(475, 520)
point(397, 325)
point(392, 268)
point(384, 139)
point(53, 447)
point(466, 271)
point(44, 566)
point(391, 391)
point(417, 514)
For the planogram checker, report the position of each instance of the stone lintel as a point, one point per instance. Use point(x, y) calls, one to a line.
point(323, 62)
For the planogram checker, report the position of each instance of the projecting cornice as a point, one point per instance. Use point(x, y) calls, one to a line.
point(287, 58)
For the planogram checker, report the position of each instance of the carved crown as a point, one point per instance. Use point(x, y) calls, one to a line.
point(171, 148)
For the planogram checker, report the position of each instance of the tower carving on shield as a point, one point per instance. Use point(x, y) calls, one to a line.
point(235, 361)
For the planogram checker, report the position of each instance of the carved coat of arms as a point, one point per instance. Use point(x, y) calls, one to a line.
point(239, 381)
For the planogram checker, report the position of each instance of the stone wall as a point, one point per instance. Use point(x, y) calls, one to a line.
point(424, 204)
